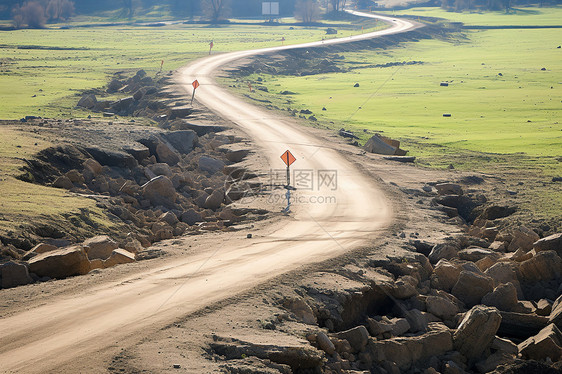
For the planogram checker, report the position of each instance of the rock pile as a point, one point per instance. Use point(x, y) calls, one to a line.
point(480, 301)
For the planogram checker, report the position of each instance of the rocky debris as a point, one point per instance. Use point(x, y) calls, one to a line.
point(476, 331)
point(13, 274)
point(546, 344)
point(160, 191)
point(385, 146)
point(60, 263)
point(99, 247)
point(325, 344)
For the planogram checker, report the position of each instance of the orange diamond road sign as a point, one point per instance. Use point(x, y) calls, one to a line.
point(288, 158)
point(195, 84)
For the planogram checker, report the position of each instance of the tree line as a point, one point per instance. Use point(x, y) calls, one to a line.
point(36, 13)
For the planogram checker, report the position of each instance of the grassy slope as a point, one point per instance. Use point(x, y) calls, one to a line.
point(509, 123)
point(45, 82)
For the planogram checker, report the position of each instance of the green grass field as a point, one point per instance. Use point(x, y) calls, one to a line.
point(45, 78)
point(509, 123)
point(524, 16)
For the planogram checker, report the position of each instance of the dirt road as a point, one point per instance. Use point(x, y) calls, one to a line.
point(342, 210)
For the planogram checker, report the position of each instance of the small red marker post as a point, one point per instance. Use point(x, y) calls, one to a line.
point(283, 40)
point(211, 45)
point(195, 84)
point(161, 65)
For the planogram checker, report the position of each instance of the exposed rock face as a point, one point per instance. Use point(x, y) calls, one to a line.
point(547, 343)
point(471, 287)
point(160, 191)
point(14, 274)
point(215, 200)
point(100, 247)
point(476, 331)
point(406, 351)
point(60, 263)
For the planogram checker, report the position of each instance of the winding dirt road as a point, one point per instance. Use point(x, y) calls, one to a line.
point(70, 328)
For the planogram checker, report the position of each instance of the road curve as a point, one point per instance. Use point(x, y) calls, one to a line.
point(48, 338)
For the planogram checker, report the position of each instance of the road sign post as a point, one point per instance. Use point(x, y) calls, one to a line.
point(288, 159)
point(195, 84)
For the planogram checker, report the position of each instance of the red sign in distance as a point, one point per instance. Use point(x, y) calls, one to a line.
point(195, 84)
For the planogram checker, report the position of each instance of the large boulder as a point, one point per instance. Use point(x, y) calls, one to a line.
point(441, 307)
point(476, 331)
point(446, 275)
point(93, 166)
point(191, 217)
point(358, 337)
point(210, 165)
point(377, 145)
point(503, 297)
point(471, 287)
point(60, 263)
point(214, 200)
point(406, 351)
point(556, 313)
point(550, 243)
point(448, 189)
point(88, 101)
point(546, 265)
point(443, 251)
point(183, 141)
point(160, 191)
point(112, 157)
point(523, 238)
point(475, 254)
point(14, 274)
point(547, 343)
point(167, 154)
point(119, 256)
point(100, 247)
point(300, 309)
point(325, 344)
